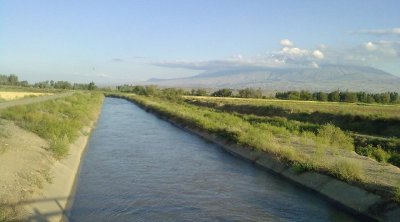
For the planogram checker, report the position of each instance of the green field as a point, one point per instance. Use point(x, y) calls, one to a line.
point(374, 128)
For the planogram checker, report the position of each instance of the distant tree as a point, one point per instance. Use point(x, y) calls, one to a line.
point(293, 95)
point(362, 97)
point(305, 95)
point(370, 98)
point(62, 85)
point(42, 85)
point(334, 96)
point(199, 92)
point(320, 96)
point(385, 97)
point(223, 93)
point(349, 97)
point(250, 93)
point(13, 79)
point(92, 86)
point(24, 83)
point(394, 97)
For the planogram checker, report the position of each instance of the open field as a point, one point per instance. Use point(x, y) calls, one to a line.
point(328, 150)
point(7, 96)
point(362, 109)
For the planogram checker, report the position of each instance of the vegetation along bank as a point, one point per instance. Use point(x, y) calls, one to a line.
point(41, 146)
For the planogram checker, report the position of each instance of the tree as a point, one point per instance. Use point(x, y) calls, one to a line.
point(13, 79)
point(334, 96)
point(62, 85)
point(349, 97)
point(394, 97)
point(385, 97)
point(92, 86)
point(199, 92)
point(223, 93)
point(305, 95)
point(250, 93)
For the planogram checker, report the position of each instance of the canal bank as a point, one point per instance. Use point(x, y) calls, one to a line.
point(360, 202)
point(52, 201)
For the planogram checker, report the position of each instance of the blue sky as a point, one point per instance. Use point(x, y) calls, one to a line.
point(127, 41)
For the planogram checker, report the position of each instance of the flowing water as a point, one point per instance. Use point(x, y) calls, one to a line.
point(141, 168)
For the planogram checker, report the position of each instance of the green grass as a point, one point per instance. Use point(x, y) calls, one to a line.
point(370, 110)
point(375, 128)
point(58, 121)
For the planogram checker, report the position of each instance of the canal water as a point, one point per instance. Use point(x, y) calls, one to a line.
point(141, 168)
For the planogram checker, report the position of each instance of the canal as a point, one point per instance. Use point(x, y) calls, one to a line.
point(141, 168)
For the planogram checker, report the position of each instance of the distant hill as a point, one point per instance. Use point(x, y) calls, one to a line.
point(325, 78)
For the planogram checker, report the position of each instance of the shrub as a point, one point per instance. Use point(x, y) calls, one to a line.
point(365, 150)
point(347, 170)
point(395, 159)
point(59, 146)
point(380, 155)
point(335, 136)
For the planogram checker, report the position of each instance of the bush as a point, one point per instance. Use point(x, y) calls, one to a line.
point(223, 93)
point(347, 170)
point(380, 155)
point(59, 146)
point(395, 159)
point(365, 150)
point(333, 135)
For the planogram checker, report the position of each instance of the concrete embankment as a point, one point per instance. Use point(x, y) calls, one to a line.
point(365, 204)
point(51, 202)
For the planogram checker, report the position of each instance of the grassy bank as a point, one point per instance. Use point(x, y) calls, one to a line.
point(326, 148)
point(374, 128)
point(58, 121)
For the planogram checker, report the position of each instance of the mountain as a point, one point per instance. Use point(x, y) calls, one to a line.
point(325, 78)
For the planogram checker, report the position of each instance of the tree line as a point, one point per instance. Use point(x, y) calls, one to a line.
point(12, 80)
point(334, 96)
point(341, 96)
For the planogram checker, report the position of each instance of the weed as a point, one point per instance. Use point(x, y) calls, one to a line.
point(380, 155)
point(347, 170)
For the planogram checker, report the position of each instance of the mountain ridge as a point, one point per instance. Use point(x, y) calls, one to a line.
point(324, 78)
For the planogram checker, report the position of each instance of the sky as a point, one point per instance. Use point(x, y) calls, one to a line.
point(118, 41)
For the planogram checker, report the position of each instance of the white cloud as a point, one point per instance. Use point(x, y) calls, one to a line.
point(370, 46)
point(294, 51)
point(286, 42)
point(368, 53)
point(318, 54)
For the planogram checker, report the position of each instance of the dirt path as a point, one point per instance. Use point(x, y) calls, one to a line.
point(25, 101)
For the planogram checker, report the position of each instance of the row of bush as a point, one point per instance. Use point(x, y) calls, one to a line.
point(340, 96)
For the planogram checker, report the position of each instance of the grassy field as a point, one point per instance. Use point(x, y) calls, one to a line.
point(58, 121)
point(8, 95)
point(375, 129)
point(324, 148)
point(370, 110)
